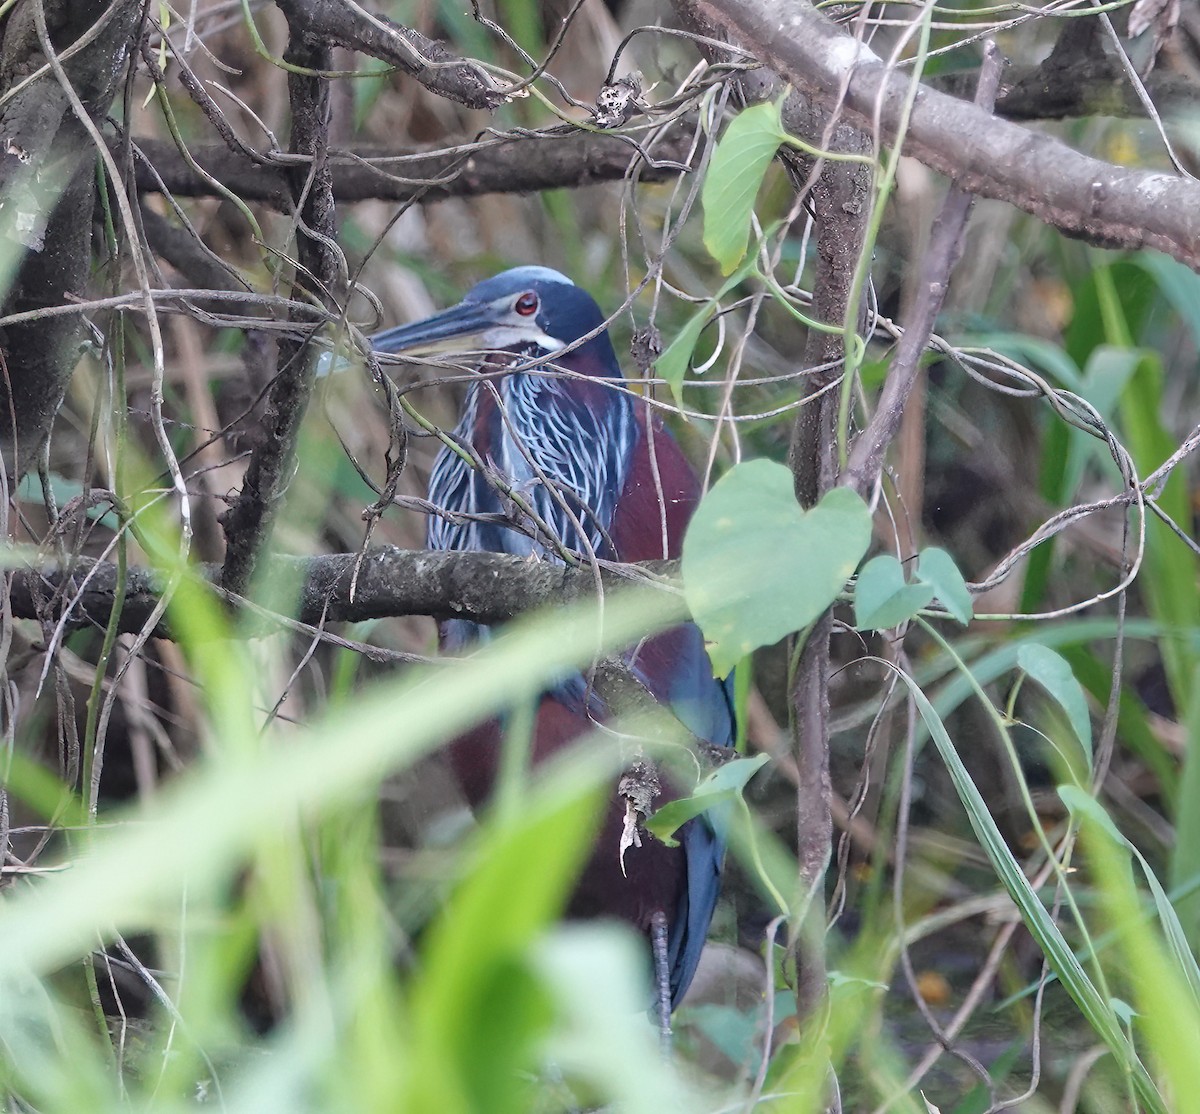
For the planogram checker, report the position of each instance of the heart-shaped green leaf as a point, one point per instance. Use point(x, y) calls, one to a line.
point(937, 569)
point(756, 566)
point(882, 598)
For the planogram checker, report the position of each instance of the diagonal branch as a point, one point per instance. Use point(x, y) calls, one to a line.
point(1111, 206)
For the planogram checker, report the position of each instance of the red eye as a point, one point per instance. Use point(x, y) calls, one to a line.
point(527, 304)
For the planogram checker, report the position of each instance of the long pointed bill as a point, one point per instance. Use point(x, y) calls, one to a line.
point(438, 333)
point(442, 332)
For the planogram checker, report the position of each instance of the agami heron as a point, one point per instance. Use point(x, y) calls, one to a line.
point(602, 477)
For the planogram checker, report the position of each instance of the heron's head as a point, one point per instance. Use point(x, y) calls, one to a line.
point(533, 311)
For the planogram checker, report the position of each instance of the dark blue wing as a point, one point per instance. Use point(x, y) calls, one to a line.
point(675, 667)
point(704, 851)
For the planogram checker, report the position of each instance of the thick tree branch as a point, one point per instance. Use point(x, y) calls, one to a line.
point(335, 588)
point(840, 196)
point(523, 165)
point(1108, 205)
point(328, 23)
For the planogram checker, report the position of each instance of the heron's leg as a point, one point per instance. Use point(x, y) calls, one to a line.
point(662, 978)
